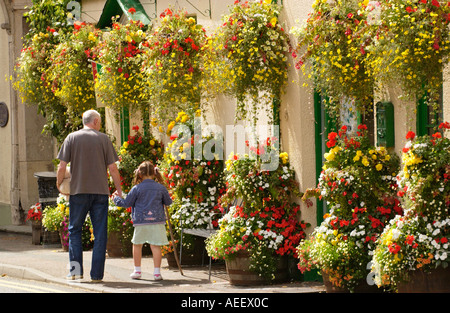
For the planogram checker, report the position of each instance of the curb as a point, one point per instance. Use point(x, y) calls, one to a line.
point(36, 275)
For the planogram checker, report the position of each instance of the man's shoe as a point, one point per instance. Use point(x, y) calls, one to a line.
point(73, 277)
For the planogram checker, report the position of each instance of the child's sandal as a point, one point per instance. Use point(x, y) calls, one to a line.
point(157, 277)
point(136, 275)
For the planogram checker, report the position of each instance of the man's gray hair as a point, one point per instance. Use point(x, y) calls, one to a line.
point(89, 116)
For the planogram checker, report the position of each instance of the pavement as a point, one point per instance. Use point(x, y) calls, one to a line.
point(20, 258)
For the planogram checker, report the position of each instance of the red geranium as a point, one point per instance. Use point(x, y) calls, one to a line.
point(410, 135)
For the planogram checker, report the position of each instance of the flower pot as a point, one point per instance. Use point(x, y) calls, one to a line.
point(51, 237)
point(196, 255)
point(239, 273)
point(64, 237)
point(435, 281)
point(36, 232)
point(115, 246)
point(362, 287)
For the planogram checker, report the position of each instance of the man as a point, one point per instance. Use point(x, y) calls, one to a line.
point(90, 154)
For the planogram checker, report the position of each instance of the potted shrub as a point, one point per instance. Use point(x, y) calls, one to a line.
point(412, 253)
point(35, 216)
point(56, 219)
point(120, 231)
point(137, 149)
point(256, 237)
point(358, 182)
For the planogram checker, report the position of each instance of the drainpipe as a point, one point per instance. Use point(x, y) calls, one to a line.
point(16, 216)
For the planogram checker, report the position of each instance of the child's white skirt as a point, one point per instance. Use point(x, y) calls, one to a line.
point(154, 234)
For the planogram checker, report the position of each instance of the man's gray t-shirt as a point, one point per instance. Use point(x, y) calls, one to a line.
point(89, 153)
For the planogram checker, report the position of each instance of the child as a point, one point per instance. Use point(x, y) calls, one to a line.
point(147, 199)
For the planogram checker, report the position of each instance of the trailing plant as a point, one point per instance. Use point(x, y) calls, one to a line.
point(174, 65)
point(253, 46)
point(332, 53)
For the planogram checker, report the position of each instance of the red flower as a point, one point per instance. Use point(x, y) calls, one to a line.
point(394, 248)
point(409, 239)
point(437, 135)
point(445, 125)
point(435, 3)
point(132, 10)
point(410, 135)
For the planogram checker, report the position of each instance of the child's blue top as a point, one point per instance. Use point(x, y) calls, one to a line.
point(147, 201)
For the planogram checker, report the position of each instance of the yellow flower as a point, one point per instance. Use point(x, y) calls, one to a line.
point(152, 142)
point(379, 167)
point(365, 162)
point(273, 21)
point(125, 144)
point(284, 157)
point(91, 37)
point(171, 126)
point(184, 118)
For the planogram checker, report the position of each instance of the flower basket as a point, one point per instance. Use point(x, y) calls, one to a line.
point(332, 52)
point(70, 74)
point(267, 224)
point(252, 48)
point(358, 182)
point(173, 67)
point(413, 245)
point(121, 83)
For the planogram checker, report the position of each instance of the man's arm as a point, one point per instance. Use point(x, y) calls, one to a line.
point(114, 172)
point(60, 174)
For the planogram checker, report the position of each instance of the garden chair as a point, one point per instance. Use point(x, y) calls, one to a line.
point(204, 232)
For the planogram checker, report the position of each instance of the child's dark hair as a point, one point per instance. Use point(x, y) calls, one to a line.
point(146, 168)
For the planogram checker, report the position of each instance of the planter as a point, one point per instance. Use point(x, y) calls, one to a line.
point(51, 237)
point(362, 287)
point(64, 237)
point(435, 281)
point(240, 274)
point(195, 255)
point(115, 246)
point(36, 232)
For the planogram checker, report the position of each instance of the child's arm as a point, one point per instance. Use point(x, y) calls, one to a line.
point(128, 201)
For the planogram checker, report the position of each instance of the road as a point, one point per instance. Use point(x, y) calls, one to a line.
point(15, 285)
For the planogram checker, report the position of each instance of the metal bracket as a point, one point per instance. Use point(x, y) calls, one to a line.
point(205, 13)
